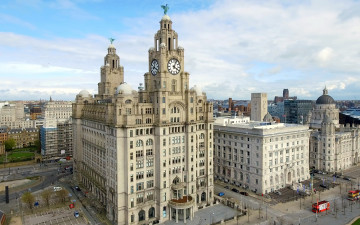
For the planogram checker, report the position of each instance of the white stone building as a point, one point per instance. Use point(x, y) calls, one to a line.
point(146, 156)
point(333, 146)
point(260, 156)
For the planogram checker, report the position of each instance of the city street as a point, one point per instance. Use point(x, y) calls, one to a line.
point(299, 211)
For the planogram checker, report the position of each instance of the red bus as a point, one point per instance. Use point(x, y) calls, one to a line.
point(354, 195)
point(320, 206)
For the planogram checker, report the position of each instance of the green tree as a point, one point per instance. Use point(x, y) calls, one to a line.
point(9, 144)
point(62, 195)
point(37, 145)
point(46, 196)
point(28, 199)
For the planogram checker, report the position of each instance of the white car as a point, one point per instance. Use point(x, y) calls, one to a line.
point(57, 188)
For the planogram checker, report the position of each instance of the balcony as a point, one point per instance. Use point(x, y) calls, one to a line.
point(182, 203)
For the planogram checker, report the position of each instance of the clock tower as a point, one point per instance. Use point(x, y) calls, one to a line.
point(146, 155)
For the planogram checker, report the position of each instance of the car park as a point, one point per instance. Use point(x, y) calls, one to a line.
point(235, 190)
point(244, 193)
point(221, 194)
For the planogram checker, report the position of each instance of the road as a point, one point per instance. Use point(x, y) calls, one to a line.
point(49, 176)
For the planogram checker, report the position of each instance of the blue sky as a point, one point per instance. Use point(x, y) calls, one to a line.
point(232, 47)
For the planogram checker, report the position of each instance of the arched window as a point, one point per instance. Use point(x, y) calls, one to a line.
point(128, 101)
point(151, 212)
point(139, 143)
point(141, 215)
point(202, 136)
point(203, 197)
point(149, 142)
point(176, 180)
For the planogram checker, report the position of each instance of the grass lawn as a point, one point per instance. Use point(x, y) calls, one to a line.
point(27, 149)
point(17, 156)
point(357, 222)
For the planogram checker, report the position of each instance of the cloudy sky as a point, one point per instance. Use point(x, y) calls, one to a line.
point(232, 47)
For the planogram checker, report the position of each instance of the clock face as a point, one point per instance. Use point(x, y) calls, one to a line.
point(154, 67)
point(173, 66)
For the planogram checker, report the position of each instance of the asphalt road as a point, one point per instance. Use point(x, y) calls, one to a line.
point(49, 175)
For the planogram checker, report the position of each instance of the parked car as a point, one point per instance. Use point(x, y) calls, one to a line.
point(221, 194)
point(227, 187)
point(235, 190)
point(76, 214)
point(324, 186)
point(347, 178)
point(244, 193)
point(77, 188)
point(57, 188)
point(278, 192)
point(319, 172)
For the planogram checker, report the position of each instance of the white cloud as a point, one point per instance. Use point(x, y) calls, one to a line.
point(325, 55)
point(232, 48)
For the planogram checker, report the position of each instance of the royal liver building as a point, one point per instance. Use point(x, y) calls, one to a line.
point(146, 155)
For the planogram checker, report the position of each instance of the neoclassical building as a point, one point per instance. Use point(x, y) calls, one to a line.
point(146, 155)
point(260, 156)
point(325, 105)
point(333, 146)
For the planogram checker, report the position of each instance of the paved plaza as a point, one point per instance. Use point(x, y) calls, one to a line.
point(209, 215)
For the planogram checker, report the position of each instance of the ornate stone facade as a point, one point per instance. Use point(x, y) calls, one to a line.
point(333, 147)
point(262, 157)
point(147, 155)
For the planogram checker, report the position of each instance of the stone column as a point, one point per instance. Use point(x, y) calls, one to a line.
point(177, 215)
point(170, 213)
point(184, 210)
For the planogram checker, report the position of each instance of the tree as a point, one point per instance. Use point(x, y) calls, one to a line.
point(62, 194)
point(28, 199)
point(37, 145)
point(46, 196)
point(9, 144)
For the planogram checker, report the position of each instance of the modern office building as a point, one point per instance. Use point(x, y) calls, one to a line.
point(56, 131)
point(297, 111)
point(260, 156)
point(146, 155)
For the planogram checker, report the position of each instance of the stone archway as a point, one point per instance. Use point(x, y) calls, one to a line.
point(289, 177)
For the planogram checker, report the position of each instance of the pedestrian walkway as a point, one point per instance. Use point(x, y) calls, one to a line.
point(209, 215)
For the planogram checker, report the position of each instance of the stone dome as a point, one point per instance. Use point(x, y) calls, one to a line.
point(268, 118)
point(124, 89)
point(325, 98)
point(197, 89)
point(165, 17)
point(84, 94)
point(111, 46)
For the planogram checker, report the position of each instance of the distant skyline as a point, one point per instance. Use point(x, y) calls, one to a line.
point(232, 47)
